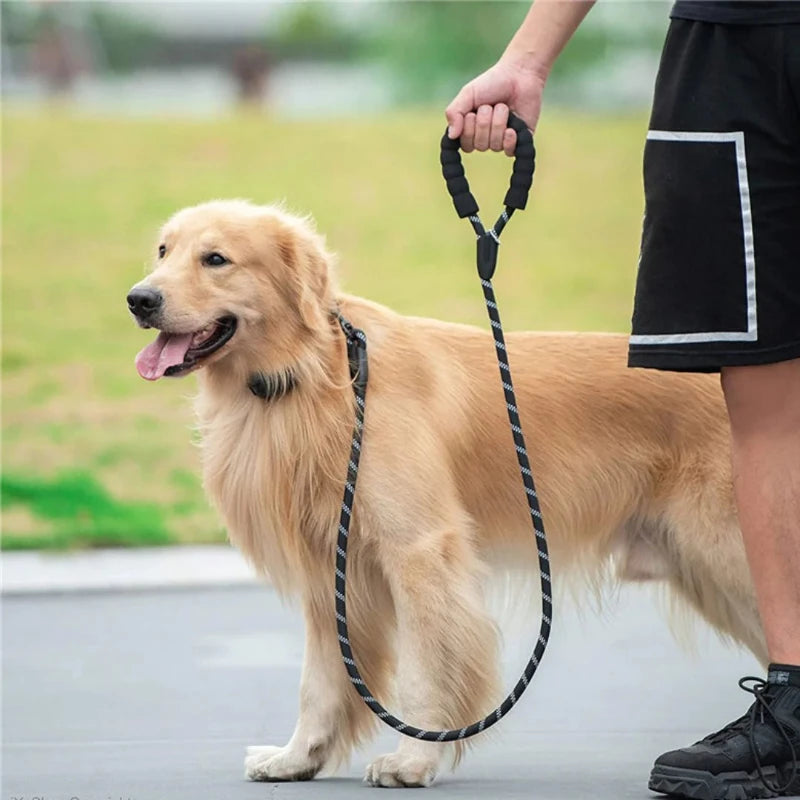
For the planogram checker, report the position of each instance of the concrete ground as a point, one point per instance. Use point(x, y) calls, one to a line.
point(154, 694)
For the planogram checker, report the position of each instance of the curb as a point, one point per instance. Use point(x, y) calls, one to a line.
point(190, 566)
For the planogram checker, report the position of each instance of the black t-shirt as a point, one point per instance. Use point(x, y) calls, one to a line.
point(739, 12)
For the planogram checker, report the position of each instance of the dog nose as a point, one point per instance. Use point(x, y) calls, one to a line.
point(144, 302)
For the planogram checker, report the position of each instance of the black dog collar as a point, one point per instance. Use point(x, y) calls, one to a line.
point(271, 387)
point(278, 385)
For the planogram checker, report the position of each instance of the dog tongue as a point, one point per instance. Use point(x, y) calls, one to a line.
point(168, 350)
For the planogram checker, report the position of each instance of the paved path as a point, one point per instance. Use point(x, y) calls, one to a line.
point(120, 568)
point(153, 695)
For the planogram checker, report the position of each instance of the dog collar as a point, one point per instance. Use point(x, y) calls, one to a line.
point(278, 385)
point(272, 387)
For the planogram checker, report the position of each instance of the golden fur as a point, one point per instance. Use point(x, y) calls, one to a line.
point(632, 467)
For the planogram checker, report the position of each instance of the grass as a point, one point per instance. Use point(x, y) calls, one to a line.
point(80, 513)
point(94, 455)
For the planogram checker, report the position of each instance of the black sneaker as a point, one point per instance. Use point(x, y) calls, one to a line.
point(755, 756)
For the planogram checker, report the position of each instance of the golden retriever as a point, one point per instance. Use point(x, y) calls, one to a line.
point(632, 467)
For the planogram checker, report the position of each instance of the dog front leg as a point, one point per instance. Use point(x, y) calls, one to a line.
point(447, 661)
point(333, 718)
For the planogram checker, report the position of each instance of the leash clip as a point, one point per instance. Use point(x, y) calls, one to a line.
point(487, 254)
point(356, 341)
point(357, 356)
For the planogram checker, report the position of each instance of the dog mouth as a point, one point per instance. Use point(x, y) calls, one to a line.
point(178, 353)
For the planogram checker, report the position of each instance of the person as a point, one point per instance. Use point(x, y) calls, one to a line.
point(717, 290)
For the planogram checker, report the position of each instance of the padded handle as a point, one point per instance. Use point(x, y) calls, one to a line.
point(521, 174)
point(524, 164)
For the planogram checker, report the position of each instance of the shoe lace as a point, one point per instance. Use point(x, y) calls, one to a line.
point(758, 689)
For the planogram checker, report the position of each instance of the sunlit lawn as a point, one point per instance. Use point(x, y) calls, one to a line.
point(94, 455)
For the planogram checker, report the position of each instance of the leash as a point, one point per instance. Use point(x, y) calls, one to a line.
point(488, 241)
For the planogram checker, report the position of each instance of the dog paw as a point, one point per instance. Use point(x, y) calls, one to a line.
point(278, 764)
point(397, 769)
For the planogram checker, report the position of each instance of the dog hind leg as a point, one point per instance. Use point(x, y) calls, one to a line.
point(704, 568)
point(715, 582)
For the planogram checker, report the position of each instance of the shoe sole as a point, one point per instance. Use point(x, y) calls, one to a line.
point(699, 785)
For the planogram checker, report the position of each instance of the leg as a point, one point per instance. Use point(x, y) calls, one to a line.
point(698, 90)
point(447, 670)
point(764, 409)
point(333, 718)
point(757, 756)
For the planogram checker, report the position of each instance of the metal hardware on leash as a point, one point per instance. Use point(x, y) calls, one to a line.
point(488, 241)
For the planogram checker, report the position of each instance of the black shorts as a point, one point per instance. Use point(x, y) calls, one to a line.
point(719, 271)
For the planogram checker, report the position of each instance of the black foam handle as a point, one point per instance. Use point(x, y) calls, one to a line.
point(453, 171)
point(521, 174)
point(524, 164)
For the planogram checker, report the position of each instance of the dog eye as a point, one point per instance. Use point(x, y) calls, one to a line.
point(162, 250)
point(215, 260)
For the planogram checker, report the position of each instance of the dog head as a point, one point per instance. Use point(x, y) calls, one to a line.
point(232, 281)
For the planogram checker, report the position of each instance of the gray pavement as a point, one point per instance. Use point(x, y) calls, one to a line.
point(154, 694)
point(27, 572)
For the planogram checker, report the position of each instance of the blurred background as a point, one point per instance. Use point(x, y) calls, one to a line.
point(117, 114)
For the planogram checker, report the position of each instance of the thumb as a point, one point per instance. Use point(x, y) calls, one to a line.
point(528, 112)
point(528, 103)
point(462, 104)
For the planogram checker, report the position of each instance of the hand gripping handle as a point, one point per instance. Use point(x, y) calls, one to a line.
point(521, 175)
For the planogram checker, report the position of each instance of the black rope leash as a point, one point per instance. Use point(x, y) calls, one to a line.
point(488, 241)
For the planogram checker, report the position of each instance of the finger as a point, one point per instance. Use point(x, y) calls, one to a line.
point(460, 106)
point(509, 141)
point(498, 128)
point(468, 134)
point(483, 126)
point(455, 124)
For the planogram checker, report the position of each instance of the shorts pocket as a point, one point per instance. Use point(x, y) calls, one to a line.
point(697, 273)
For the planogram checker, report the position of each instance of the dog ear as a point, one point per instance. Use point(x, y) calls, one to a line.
point(307, 269)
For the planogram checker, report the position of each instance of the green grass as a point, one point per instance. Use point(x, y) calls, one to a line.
point(74, 510)
point(83, 198)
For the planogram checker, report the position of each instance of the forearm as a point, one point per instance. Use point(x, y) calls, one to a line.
point(545, 31)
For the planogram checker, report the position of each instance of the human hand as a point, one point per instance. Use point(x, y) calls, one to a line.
point(479, 112)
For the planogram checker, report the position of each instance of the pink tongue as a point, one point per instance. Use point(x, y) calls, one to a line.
point(168, 350)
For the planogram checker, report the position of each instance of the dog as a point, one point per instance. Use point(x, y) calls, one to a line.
point(632, 468)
